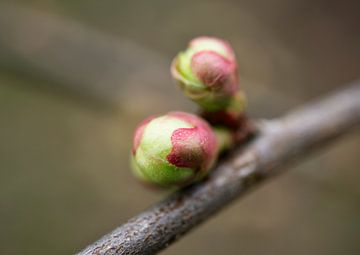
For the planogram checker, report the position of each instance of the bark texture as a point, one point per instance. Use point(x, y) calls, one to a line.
point(278, 142)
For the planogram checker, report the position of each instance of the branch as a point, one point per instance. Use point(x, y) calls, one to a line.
point(279, 141)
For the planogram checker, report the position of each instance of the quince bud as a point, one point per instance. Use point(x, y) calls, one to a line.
point(207, 72)
point(174, 149)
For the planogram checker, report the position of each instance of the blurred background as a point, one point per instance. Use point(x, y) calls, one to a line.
point(77, 76)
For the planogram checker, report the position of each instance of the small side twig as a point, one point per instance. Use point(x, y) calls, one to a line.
point(278, 142)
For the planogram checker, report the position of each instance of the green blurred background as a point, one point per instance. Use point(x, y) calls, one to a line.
point(77, 76)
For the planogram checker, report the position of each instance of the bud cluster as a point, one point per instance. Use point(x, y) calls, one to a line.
point(179, 148)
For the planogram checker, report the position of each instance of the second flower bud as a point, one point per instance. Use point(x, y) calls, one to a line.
point(207, 72)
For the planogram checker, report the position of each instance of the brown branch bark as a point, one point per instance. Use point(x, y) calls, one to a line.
point(279, 141)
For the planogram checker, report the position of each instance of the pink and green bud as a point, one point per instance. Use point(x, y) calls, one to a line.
point(207, 72)
point(174, 149)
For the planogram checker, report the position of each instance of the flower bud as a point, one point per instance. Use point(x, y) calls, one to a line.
point(207, 72)
point(174, 149)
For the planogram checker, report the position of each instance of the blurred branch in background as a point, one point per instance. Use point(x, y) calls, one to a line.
point(92, 64)
point(82, 59)
point(279, 141)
